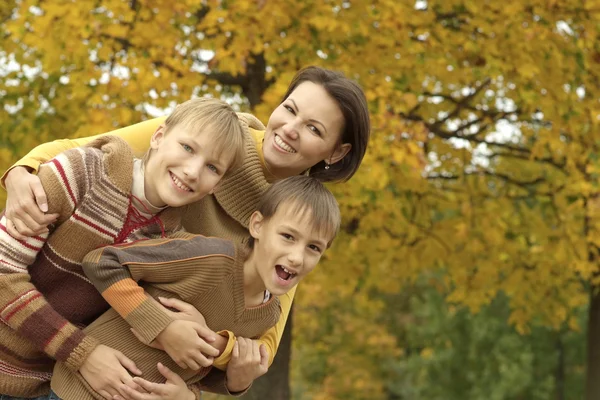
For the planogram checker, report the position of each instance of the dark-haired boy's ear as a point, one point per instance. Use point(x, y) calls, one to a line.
point(340, 152)
point(255, 225)
point(157, 136)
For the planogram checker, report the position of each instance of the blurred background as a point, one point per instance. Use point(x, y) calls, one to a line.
point(468, 263)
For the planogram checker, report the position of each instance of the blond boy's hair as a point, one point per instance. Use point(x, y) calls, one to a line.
point(306, 196)
point(214, 116)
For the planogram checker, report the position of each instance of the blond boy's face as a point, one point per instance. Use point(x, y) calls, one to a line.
point(183, 167)
point(286, 247)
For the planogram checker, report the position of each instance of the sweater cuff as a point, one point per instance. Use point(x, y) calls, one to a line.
point(223, 359)
point(149, 319)
point(80, 353)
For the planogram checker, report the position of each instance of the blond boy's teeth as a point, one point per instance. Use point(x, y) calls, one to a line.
point(288, 271)
point(180, 184)
point(283, 145)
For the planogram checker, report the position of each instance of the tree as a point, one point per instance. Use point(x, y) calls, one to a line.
point(482, 165)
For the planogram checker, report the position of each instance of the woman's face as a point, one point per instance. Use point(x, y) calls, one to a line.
point(304, 130)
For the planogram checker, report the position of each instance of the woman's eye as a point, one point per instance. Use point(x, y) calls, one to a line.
point(290, 109)
point(315, 130)
point(187, 148)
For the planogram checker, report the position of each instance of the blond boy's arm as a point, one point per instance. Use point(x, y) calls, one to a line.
point(137, 136)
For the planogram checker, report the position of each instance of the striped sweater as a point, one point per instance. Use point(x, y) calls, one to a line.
point(45, 298)
point(205, 272)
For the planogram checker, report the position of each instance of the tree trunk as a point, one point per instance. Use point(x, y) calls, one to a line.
point(275, 385)
point(592, 389)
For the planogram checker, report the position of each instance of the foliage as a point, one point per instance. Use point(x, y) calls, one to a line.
point(482, 165)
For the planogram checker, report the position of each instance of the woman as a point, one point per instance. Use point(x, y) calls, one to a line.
point(321, 128)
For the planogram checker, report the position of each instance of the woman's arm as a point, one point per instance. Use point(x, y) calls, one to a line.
point(26, 201)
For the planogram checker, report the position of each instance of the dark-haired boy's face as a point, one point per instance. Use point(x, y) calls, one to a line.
point(287, 247)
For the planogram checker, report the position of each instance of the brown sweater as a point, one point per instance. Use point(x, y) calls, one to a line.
point(45, 298)
point(205, 272)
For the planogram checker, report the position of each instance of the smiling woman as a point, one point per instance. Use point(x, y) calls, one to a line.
point(321, 128)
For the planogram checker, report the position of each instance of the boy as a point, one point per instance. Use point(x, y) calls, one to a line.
point(235, 287)
point(102, 195)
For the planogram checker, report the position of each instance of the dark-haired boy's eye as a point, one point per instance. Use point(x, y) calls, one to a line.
point(314, 248)
point(287, 236)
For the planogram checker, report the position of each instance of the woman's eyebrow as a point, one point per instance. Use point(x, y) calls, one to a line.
point(311, 120)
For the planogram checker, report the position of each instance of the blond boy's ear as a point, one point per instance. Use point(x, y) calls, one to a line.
point(157, 136)
point(256, 223)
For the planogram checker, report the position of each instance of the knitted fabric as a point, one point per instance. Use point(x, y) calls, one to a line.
point(205, 272)
point(45, 298)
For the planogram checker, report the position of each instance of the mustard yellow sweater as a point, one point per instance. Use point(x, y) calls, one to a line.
point(225, 214)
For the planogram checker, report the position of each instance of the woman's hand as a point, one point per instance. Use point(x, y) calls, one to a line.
point(249, 360)
point(173, 389)
point(26, 204)
point(106, 371)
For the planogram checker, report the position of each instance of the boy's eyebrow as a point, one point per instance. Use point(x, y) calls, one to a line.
point(311, 120)
point(297, 233)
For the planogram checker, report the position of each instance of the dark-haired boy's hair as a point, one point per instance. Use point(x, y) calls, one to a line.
point(307, 196)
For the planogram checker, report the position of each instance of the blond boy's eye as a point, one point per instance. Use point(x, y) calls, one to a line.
point(187, 148)
point(213, 168)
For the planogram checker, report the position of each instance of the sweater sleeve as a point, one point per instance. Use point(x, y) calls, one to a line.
point(22, 307)
point(137, 136)
point(115, 271)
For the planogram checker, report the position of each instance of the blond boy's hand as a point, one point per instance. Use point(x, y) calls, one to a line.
point(174, 388)
point(106, 369)
point(186, 343)
point(249, 360)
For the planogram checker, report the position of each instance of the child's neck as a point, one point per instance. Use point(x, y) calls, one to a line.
point(138, 190)
point(254, 287)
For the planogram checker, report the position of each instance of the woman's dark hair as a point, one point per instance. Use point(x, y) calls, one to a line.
point(357, 126)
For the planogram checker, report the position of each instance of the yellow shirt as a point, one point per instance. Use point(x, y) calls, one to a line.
point(138, 137)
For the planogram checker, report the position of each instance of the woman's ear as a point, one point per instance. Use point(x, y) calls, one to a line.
point(255, 225)
point(339, 153)
point(157, 136)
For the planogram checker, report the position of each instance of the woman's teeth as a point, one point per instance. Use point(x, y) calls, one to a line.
point(180, 184)
point(283, 145)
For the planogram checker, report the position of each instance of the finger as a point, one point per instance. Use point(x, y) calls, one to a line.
point(191, 363)
point(13, 231)
point(40, 195)
point(128, 364)
point(264, 356)
point(135, 395)
point(150, 387)
point(177, 304)
point(31, 216)
point(202, 360)
point(128, 381)
point(236, 349)
point(243, 347)
point(170, 376)
point(106, 395)
point(205, 333)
